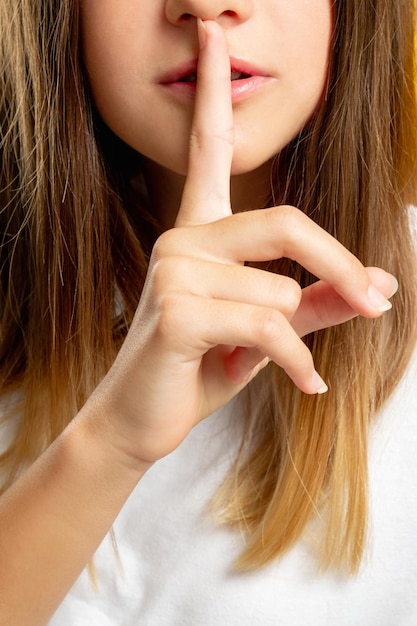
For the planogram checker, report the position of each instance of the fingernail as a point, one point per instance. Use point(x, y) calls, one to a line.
point(319, 384)
point(394, 283)
point(377, 300)
point(202, 33)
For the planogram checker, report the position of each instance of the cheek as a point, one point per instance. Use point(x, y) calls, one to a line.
point(306, 40)
point(110, 52)
point(123, 90)
point(310, 61)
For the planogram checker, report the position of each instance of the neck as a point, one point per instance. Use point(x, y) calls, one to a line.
point(247, 191)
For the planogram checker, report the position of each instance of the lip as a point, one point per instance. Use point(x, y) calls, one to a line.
point(254, 81)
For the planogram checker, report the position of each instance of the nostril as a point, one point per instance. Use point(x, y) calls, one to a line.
point(185, 17)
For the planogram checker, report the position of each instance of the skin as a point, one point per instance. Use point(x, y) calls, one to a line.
point(232, 320)
point(129, 47)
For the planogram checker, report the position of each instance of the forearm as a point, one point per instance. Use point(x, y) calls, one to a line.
point(54, 518)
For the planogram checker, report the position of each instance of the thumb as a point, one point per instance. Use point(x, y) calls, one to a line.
point(321, 306)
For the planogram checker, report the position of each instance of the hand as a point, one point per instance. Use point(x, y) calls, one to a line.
point(206, 323)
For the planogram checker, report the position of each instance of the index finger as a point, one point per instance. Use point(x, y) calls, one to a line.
point(206, 195)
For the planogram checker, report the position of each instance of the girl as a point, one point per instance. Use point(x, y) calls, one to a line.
point(145, 288)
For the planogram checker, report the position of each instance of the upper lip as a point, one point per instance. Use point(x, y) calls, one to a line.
point(190, 67)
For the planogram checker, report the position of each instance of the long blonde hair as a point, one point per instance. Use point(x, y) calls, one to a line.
point(70, 243)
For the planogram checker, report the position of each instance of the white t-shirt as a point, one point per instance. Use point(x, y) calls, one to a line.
point(174, 566)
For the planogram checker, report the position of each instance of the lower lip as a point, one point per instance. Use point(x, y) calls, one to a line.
point(240, 89)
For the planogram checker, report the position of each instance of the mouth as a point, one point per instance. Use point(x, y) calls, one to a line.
point(187, 72)
point(245, 79)
point(234, 75)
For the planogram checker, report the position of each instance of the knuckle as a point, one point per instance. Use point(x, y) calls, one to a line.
point(198, 139)
point(289, 297)
point(268, 326)
point(275, 338)
point(171, 319)
point(171, 274)
point(167, 244)
point(166, 274)
point(226, 137)
point(204, 139)
point(285, 219)
point(159, 248)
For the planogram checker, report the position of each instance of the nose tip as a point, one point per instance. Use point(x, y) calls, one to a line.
point(181, 11)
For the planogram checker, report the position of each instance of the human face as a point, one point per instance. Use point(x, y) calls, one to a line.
point(137, 51)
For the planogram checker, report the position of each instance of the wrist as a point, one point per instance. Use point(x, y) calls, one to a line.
point(110, 440)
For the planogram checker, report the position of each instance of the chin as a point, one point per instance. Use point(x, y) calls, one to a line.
point(247, 163)
point(246, 159)
point(240, 168)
